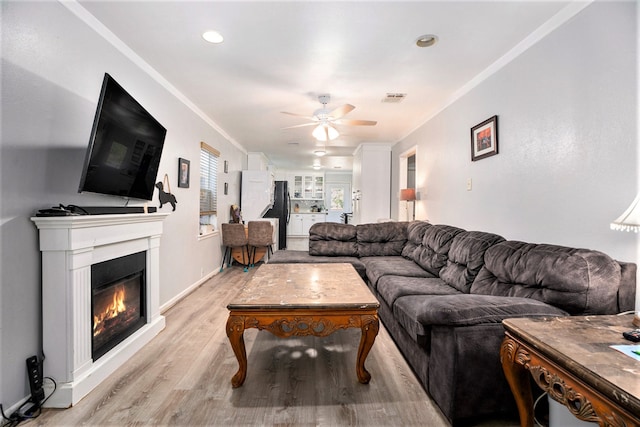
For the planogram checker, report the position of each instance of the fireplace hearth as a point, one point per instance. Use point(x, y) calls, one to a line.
point(96, 313)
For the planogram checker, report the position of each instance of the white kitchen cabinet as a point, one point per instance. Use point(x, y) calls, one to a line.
point(295, 226)
point(299, 224)
point(371, 183)
point(309, 219)
point(307, 186)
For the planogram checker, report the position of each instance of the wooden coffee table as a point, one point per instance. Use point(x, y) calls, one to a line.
point(303, 299)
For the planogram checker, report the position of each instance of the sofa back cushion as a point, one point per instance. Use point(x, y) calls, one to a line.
point(332, 239)
point(381, 238)
point(466, 258)
point(433, 252)
point(579, 281)
point(415, 234)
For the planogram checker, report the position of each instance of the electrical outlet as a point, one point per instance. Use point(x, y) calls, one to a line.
point(34, 372)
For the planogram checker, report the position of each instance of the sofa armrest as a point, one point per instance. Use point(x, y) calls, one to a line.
point(469, 309)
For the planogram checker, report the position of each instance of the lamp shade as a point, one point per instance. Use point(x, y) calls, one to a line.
point(630, 219)
point(408, 194)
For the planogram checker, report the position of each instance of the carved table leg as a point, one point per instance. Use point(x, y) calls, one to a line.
point(370, 326)
point(513, 358)
point(235, 331)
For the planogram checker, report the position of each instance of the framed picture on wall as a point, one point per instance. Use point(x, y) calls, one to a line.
point(484, 139)
point(183, 173)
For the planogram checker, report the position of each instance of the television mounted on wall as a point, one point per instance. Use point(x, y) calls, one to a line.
point(124, 148)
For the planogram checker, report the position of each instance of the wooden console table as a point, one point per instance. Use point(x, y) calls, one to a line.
point(571, 359)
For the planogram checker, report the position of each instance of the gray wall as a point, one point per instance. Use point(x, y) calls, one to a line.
point(567, 163)
point(52, 70)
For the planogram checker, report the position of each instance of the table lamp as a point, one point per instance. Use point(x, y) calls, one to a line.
point(409, 195)
point(630, 221)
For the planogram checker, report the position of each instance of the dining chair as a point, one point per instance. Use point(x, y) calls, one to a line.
point(260, 236)
point(234, 236)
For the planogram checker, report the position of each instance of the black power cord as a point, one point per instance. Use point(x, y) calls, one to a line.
point(33, 412)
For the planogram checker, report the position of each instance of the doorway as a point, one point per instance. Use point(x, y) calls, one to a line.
point(407, 179)
point(338, 201)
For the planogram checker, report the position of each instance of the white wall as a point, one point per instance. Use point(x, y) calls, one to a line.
point(567, 162)
point(52, 69)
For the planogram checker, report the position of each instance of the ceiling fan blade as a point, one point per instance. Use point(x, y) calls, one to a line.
point(300, 126)
point(341, 111)
point(355, 122)
point(301, 115)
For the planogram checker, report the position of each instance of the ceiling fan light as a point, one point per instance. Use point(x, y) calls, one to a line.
point(320, 133)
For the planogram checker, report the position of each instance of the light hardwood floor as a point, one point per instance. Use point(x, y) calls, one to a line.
point(183, 377)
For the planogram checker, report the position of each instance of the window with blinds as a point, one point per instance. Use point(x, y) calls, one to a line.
point(208, 183)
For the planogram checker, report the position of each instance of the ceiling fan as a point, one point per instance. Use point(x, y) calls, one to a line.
point(324, 120)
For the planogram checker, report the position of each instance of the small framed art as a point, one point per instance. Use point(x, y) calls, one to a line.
point(484, 139)
point(183, 173)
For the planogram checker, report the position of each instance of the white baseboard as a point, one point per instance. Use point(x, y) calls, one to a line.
point(173, 301)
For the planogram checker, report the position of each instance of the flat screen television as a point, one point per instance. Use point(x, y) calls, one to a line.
point(125, 146)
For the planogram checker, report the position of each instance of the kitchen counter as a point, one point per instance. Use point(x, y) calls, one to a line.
point(308, 212)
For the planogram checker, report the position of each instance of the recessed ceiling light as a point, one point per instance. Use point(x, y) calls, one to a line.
point(213, 37)
point(317, 167)
point(426, 40)
point(320, 153)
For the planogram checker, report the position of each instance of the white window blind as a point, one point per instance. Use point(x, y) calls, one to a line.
point(208, 179)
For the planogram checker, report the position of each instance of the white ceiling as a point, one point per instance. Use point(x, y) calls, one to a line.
point(278, 56)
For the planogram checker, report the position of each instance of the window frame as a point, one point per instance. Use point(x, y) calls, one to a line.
point(209, 161)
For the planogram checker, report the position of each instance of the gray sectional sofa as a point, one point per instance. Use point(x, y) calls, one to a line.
point(443, 292)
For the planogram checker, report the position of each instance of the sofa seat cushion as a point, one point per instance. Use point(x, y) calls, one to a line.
point(293, 257)
point(418, 313)
point(580, 281)
point(466, 258)
point(333, 239)
point(433, 252)
point(468, 310)
point(390, 288)
point(381, 239)
point(379, 266)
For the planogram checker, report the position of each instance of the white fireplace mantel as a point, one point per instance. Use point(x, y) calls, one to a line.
point(69, 246)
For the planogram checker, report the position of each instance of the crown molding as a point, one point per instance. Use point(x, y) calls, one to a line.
point(84, 15)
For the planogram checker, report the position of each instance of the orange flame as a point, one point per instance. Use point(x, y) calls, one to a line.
point(112, 310)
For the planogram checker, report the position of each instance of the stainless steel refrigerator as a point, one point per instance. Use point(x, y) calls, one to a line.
point(281, 209)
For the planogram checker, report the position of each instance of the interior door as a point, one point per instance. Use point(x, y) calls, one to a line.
point(338, 200)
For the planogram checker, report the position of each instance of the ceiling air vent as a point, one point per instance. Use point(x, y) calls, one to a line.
point(394, 97)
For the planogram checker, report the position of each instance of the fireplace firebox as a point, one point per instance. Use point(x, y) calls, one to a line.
point(117, 301)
